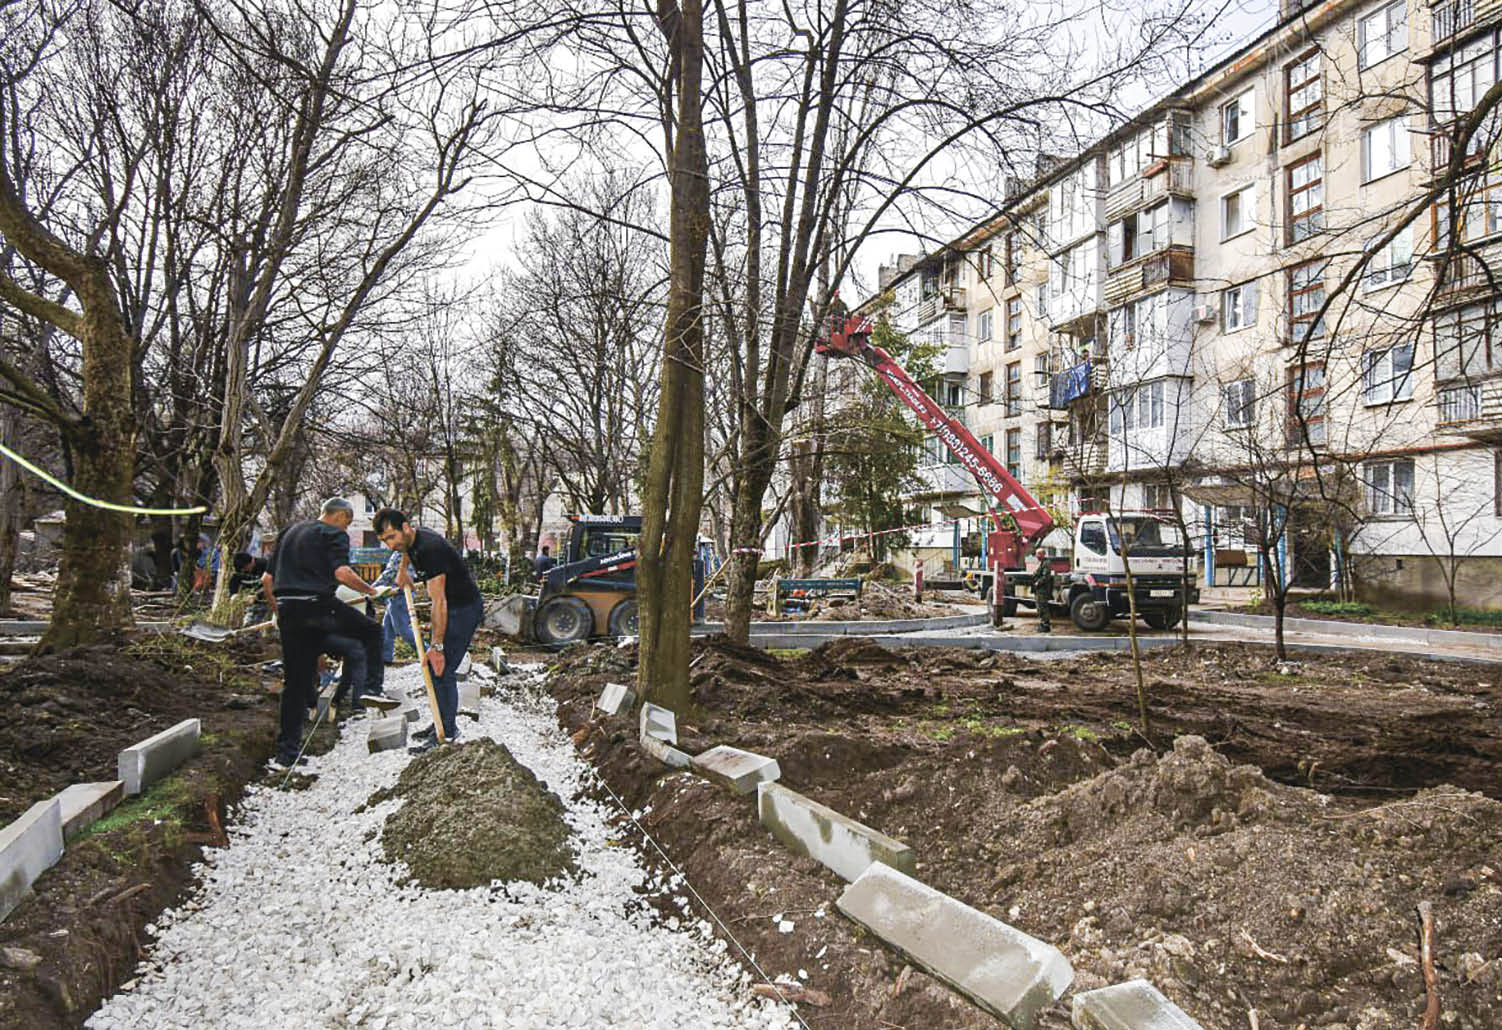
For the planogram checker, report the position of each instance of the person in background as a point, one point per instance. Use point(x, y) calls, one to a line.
point(247, 574)
point(1043, 588)
point(457, 608)
point(187, 555)
point(397, 623)
point(309, 562)
point(543, 562)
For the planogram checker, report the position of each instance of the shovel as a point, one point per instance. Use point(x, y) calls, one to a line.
point(218, 634)
point(427, 672)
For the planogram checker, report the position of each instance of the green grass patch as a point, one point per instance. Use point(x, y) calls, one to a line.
point(209, 739)
point(1466, 617)
point(1122, 724)
point(1082, 733)
point(1341, 609)
point(787, 652)
point(161, 802)
point(981, 728)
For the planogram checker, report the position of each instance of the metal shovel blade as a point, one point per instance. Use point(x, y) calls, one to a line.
point(203, 631)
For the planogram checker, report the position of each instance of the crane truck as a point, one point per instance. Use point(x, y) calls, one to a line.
point(1091, 583)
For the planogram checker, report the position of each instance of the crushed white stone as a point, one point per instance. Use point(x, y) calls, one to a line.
point(299, 924)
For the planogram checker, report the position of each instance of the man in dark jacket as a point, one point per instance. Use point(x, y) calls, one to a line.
point(457, 607)
point(1043, 588)
point(248, 572)
point(309, 562)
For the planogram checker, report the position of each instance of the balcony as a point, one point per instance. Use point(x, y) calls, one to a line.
point(933, 306)
point(1471, 409)
point(1064, 388)
point(1450, 18)
point(1169, 176)
point(1171, 265)
point(944, 479)
point(1462, 275)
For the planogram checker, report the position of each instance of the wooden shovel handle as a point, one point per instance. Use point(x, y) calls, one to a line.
point(422, 656)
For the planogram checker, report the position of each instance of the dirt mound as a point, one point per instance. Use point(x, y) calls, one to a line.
point(472, 814)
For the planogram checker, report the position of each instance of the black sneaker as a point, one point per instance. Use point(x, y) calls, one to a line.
point(281, 764)
point(423, 748)
point(427, 733)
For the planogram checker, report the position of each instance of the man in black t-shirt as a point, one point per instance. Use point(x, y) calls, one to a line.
point(457, 607)
point(248, 572)
point(309, 562)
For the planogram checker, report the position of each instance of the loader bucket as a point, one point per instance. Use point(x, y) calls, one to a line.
point(513, 616)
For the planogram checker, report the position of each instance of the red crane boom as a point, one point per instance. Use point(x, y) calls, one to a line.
point(853, 340)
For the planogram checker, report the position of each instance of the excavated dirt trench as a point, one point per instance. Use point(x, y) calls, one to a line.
point(1262, 847)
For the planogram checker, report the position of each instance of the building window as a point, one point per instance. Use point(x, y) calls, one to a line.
point(1459, 78)
point(1468, 342)
point(1014, 388)
point(1044, 441)
point(1480, 199)
point(1387, 374)
point(1237, 211)
point(1042, 300)
point(1237, 119)
point(1158, 497)
point(1013, 258)
point(987, 442)
point(1382, 33)
point(1389, 486)
point(1139, 408)
point(1390, 264)
point(1306, 404)
point(983, 325)
point(1014, 323)
point(954, 395)
point(1238, 307)
point(983, 266)
point(1240, 401)
point(1014, 453)
point(985, 388)
point(1305, 95)
point(1306, 198)
point(1497, 486)
point(1384, 149)
point(1306, 295)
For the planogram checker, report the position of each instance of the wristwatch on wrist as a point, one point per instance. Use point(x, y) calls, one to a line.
point(437, 647)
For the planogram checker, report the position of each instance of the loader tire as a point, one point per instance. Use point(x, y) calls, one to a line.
point(623, 619)
point(1088, 614)
point(1163, 618)
point(564, 619)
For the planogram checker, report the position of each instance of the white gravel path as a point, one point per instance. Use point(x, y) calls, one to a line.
point(298, 924)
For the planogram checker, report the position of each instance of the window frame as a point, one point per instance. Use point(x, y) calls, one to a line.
point(983, 325)
point(1234, 104)
point(1314, 215)
point(1298, 392)
point(1246, 209)
point(1392, 497)
point(1391, 387)
point(1014, 324)
point(1296, 317)
point(1013, 444)
point(1239, 398)
point(985, 388)
point(1397, 130)
point(1370, 282)
point(1311, 117)
point(1247, 295)
point(1363, 58)
point(1013, 386)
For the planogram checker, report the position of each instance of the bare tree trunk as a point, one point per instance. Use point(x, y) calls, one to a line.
point(10, 514)
point(675, 477)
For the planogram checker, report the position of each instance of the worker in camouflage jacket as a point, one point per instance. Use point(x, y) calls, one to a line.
point(1043, 588)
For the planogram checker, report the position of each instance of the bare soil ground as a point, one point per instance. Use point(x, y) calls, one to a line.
point(63, 719)
point(1262, 847)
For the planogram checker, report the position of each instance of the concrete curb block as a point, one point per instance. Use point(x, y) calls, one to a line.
point(659, 722)
point(852, 628)
point(28, 848)
point(469, 700)
point(833, 840)
point(141, 765)
point(998, 642)
point(83, 804)
point(498, 661)
point(1006, 972)
point(387, 734)
point(1134, 1005)
point(1363, 630)
point(665, 753)
point(616, 699)
point(738, 770)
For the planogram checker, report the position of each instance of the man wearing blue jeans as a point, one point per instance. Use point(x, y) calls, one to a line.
point(457, 608)
point(396, 623)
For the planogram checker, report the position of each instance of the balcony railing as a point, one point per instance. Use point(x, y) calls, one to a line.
point(1175, 177)
point(1450, 18)
point(1460, 273)
point(1458, 404)
point(932, 307)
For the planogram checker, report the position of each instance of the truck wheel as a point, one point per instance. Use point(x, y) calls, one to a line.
point(1163, 618)
point(1089, 614)
point(564, 619)
point(623, 620)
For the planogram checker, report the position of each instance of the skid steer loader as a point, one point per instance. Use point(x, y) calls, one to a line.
point(591, 592)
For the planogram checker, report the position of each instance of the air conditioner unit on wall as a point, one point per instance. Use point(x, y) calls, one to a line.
point(1217, 156)
point(1204, 314)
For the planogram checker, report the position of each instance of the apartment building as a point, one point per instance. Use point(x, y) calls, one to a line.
point(1252, 282)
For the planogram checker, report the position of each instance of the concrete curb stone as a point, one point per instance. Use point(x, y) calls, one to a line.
point(83, 804)
point(738, 770)
point(1134, 1005)
point(28, 848)
point(836, 841)
point(142, 764)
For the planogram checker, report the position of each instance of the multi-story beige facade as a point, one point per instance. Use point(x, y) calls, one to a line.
point(1253, 275)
